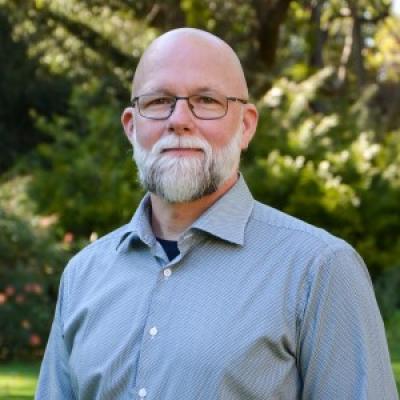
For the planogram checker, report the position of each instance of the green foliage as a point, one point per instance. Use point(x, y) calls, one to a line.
point(329, 168)
point(24, 88)
point(30, 265)
point(86, 174)
point(327, 148)
point(387, 288)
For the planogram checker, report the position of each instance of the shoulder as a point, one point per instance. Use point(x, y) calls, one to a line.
point(308, 249)
point(268, 219)
point(99, 252)
point(321, 264)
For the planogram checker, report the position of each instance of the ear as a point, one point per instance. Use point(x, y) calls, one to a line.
point(249, 121)
point(127, 118)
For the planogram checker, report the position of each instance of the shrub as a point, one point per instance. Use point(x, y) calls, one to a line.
point(30, 265)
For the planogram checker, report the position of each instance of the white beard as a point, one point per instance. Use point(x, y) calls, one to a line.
point(183, 179)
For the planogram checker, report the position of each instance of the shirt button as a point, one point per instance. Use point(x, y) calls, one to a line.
point(142, 393)
point(167, 272)
point(153, 331)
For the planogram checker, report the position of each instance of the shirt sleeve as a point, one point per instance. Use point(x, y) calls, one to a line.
point(343, 351)
point(54, 379)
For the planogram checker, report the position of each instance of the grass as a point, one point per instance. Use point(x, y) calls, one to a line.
point(396, 369)
point(395, 355)
point(18, 380)
point(393, 335)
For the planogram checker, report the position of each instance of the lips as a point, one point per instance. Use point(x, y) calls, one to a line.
point(181, 150)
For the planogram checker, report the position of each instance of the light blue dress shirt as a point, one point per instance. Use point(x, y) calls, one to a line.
point(257, 306)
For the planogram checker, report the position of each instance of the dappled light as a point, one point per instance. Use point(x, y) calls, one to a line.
point(325, 76)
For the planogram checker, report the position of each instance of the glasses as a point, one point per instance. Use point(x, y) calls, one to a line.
point(202, 106)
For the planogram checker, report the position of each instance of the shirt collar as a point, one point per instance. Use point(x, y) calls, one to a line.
point(226, 218)
point(139, 228)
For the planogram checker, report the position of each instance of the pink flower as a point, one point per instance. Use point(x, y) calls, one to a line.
point(9, 290)
point(3, 298)
point(36, 288)
point(68, 238)
point(35, 340)
point(33, 287)
point(47, 221)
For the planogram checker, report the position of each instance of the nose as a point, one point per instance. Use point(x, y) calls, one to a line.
point(181, 120)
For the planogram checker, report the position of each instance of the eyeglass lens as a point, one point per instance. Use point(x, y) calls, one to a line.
point(207, 106)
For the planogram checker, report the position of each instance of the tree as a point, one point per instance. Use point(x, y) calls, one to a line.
point(325, 75)
point(24, 89)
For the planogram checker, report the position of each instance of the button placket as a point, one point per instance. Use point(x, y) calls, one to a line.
point(151, 344)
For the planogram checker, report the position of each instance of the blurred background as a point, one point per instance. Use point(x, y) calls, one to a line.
point(325, 75)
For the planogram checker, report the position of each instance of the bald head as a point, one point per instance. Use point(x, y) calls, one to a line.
point(190, 54)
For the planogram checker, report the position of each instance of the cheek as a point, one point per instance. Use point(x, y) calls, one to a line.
point(220, 135)
point(147, 134)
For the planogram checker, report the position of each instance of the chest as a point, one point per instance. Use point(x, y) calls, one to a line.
point(199, 324)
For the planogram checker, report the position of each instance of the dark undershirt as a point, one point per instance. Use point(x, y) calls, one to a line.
point(170, 247)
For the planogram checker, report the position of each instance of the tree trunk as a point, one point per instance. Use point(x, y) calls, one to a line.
point(358, 45)
point(317, 36)
point(270, 14)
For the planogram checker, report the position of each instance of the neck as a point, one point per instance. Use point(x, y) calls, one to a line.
point(170, 220)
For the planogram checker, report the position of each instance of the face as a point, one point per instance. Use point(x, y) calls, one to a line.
point(185, 168)
point(184, 158)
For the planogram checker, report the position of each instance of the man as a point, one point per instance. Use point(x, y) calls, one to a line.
point(206, 293)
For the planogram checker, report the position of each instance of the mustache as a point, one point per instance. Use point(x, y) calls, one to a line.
point(176, 142)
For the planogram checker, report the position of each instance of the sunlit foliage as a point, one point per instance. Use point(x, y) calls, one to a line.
point(325, 75)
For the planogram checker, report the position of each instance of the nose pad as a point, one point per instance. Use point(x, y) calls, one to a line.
point(186, 104)
point(191, 106)
point(182, 116)
point(181, 120)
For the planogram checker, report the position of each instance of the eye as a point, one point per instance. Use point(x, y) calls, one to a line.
point(203, 99)
point(162, 100)
point(152, 101)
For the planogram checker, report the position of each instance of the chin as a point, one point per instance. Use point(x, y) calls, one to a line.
point(174, 196)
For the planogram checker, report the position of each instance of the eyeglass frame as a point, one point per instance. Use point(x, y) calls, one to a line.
point(135, 99)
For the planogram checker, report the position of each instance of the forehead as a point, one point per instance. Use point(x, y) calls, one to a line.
point(188, 64)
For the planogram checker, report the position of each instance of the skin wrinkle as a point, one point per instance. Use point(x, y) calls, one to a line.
point(181, 63)
point(258, 304)
point(198, 178)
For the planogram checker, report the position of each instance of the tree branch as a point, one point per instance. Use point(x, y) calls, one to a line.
point(90, 37)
